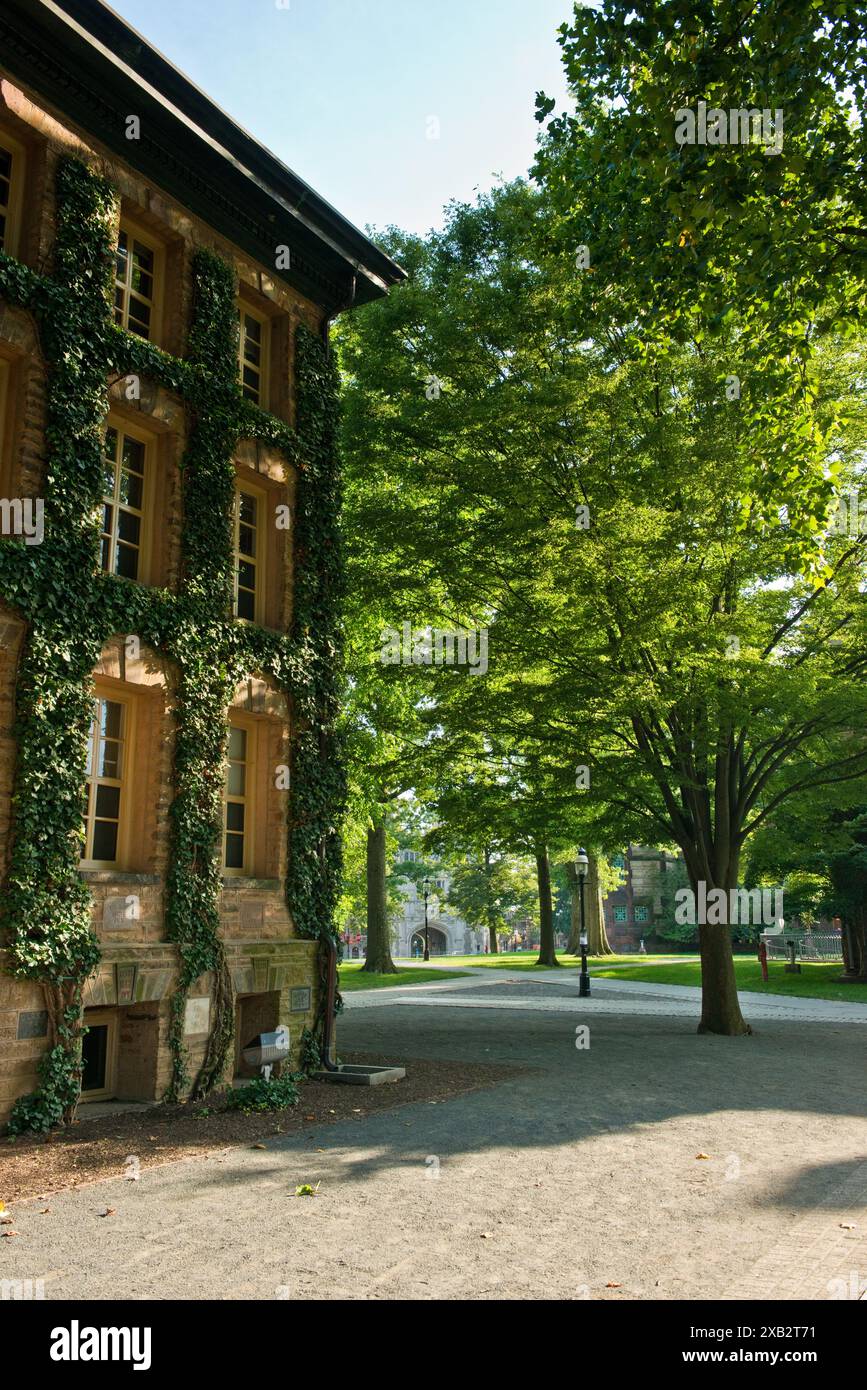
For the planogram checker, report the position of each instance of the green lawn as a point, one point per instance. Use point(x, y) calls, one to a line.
point(526, 960)
point(352, 977)
point(814, 981)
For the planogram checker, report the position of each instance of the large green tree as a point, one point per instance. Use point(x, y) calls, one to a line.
point(662, 665)
point(694, 233)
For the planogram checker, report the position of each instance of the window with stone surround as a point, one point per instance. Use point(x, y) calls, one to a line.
point(641, 914)
point(238, 798)
point(11, 186)
point(249, 552)
point(127, 461)
point(137, 285)
point(107, 760)
point(619, 914)
point(253, 354)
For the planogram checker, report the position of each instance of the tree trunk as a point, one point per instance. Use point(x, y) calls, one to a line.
point(597, 937)
point(547, 955)
point(720, 1009)
point(855, 937)
point(378, 957)
point(492, 941)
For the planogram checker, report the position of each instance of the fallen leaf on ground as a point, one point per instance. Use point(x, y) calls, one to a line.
point(260, 1146)
point(305, 1190)
point(486, 1235)
point(847, 1225)
point(310, 1117)
point(6, 1234)
point(614, 1286)
point(109, 1211)
point(702, 1155)
point(45, 1211)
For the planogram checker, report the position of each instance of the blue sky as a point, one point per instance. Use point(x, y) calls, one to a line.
point(343, 90)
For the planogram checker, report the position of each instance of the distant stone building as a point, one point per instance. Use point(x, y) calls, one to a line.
point(633, 911)
point(449, 934)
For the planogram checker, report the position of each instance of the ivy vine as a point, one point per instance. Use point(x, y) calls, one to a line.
point(71, 608)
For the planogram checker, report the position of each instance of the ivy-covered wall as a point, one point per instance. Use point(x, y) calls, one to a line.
point(71, 608)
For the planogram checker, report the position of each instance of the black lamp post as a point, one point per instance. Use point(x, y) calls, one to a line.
point(582, 864)
point(426, 889)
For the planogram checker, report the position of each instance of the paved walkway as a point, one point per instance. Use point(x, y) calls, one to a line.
point(556, 990)
point(654, 1163)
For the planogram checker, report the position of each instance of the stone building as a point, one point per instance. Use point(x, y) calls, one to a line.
point(449, 934)
point(77, 82)
point(633, 910)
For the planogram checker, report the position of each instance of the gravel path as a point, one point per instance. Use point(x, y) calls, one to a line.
point(653, 1164)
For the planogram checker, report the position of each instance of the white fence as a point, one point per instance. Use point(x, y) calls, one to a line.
point(809, 945)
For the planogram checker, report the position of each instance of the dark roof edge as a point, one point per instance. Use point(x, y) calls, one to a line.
point(114, 41)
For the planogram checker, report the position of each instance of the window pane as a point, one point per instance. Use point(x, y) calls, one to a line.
point(133, 454)
point(237, 743)
point(139, 318)
point(246, 605)
point(143, 256)
point(126, 562)
point(237, 779)
point(246, 540)
point(105, 840)
point(235, 816)
point(247, 508)
point(109, 759)
point(131, 489)
point(112, 719)
point(246, 574)
point(234, 852)
point(128, 527)
point(108, 802)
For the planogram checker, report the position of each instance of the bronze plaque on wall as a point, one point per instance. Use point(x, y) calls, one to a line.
point(251, 915)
